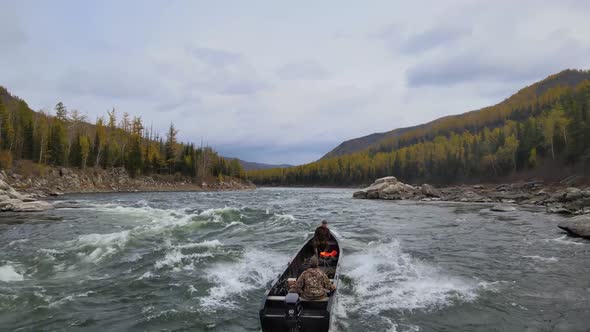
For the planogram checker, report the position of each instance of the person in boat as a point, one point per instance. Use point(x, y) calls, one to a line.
point(313, 284)
point(321, 237)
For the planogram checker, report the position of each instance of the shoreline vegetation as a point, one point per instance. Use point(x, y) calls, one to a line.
point(65, 152)
point(25, 193)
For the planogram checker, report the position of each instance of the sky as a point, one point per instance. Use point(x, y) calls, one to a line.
point(284, 82)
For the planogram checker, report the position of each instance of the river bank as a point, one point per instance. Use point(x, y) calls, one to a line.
point(560, 198)
point(24, 193)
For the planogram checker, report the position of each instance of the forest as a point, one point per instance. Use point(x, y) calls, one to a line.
point(547, 123)
point(67, 139)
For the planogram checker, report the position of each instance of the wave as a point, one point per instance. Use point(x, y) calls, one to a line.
point(178, 261)
point(386, 278)
point(566, 240)
point(542, 259)
point(205, 244)
point(69, 298)
point(253, 270)
point(104, 245)
point(12, 243)
point(8, 273)
point(284, 217)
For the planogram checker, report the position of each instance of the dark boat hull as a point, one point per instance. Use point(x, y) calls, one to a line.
point(277, 313)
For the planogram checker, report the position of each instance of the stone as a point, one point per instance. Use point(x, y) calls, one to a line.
point(398, 190)
point(558, 210)
point(4, 198)
point(470, 196)
point(429, 191)
point(502, 187)
point(372, 192)
point(577, 226)
point(503, 208)
point(4, 185)
point(389, 179)
point(572, 194)
point(9, 204)
point(359, 194)
point(35, 206)
point(14, 194)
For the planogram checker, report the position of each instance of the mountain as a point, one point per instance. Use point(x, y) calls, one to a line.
point(542, 130)
point(566, 78)
point(252, 166)
point(361, 143)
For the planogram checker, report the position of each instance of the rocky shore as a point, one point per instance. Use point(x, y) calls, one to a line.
point(20, 193)
point(556, 199)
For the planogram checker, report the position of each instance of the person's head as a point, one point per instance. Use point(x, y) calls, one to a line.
point(313, 262)
point(324, 223)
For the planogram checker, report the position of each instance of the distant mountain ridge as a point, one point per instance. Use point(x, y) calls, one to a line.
point(361, 143)
point(252, 166)
point(565, 78)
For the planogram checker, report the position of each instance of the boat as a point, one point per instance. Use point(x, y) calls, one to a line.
point(284, 311)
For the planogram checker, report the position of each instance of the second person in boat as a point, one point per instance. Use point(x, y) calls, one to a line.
point(321, 237)
point(313, 284)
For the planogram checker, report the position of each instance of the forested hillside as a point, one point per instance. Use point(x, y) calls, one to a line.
point(547, 123)
point(68, 139)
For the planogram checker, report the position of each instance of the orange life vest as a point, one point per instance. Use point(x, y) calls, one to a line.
point(332, 253)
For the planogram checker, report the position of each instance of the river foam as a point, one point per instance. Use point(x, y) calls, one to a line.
point(253, 270)
point(9, 273)
point(384, 278)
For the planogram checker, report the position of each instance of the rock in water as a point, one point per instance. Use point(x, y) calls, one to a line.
point(359, 194)
point(372, 192)
point(577, 226)
point(396, 190)
point(558, 210)
point(35, 206)
point(389, 179)
point(503, 208)
point(429, 191)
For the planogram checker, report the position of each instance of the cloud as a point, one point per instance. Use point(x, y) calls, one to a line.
point(517, 58)
point(305, 70)
point(432, 38)
point(12, 30)
point(109, 82)
point(215, 57)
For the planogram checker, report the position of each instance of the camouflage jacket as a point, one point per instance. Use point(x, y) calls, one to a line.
point(312, 284)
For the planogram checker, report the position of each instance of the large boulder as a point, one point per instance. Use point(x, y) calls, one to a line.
point(577, 226)
point(372, 191)
point(397, 190)
point(35, 206)
point(429, 191)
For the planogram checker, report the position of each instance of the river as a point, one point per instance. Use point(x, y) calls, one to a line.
point(201, 261)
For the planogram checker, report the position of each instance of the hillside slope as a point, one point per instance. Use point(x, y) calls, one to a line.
point(524, 98)
point(543, 129)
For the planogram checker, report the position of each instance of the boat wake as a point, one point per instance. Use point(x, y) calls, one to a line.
point(384, 279)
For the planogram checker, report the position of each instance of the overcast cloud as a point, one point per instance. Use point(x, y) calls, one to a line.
point(280, 82)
